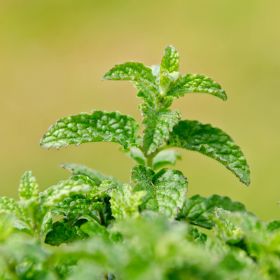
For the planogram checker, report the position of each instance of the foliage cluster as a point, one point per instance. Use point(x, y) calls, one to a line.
point(92, 226)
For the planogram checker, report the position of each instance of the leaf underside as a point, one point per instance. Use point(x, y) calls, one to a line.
point(213, 142)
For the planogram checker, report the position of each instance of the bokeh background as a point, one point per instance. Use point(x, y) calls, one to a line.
point(54, 53)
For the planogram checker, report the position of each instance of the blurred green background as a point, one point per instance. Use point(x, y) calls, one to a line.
point(53, 54)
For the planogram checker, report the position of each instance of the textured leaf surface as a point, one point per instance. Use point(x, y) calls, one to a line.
point(170, 59)
point(194, 83)
point(96, 127)
point(28, 187)
point(78, 184)
point(158, 124)
point(166, 190)
point(125, 202)
point(136, 72)
point(198, 210)
point(213, 142)
point(168, 68)
point(9, 205)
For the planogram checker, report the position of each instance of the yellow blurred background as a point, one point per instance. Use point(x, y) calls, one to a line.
point(53, 54)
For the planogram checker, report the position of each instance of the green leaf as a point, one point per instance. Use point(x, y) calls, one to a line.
point(274, 225)
point(213, 142)
point(136, 72)
point(28, 188)
point(198, 210)
point(165, 157)
point(78, 184)
point(10, 206)
point(96, 176)
point(93, 228)
point(64, 232)
point(194, 83)
point(170, 60)
point(96, 127)
point(170, 191)
point(125, 202)
point(158, 124)
point(136, 154)
point(166, 190)
point(168, 68)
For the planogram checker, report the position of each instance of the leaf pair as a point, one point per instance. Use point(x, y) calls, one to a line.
point(166, 190)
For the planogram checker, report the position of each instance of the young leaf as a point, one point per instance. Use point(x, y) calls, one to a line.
point(136, 154)
point(28, 188)
point(158, 124)
point(9, 206)
point(170, 60)
point(96, 127)
point(194, 83)
point(125, 202)
point(168, 68)
point(166, 190)
point(96, 176)
point(213, 142)
point(165, 157)
point(135, 72)
point(197, 210)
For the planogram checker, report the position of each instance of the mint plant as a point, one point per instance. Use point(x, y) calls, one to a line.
point(94, 226)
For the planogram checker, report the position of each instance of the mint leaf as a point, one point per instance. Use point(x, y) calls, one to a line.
point(136, 154)
point(79, 169)
point(166, 190)
point(28, 188)
point(170, 60)
point(170, 191)
point(213, 142)
point(168, 68)
point(9, 206)
point(125, 202)
point(158, 124)
point(195, 83)
point(96, 127)
point(78, 184)
point(165, 157)
point(198, 210)
point(136, 72)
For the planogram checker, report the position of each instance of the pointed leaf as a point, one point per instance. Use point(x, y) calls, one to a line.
point(213, 142)
point(194, 83)
point(96, 127)
point(169, 68)
point(135, 72)
point(158, 124)
point(170, 60)
point(28, 188)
